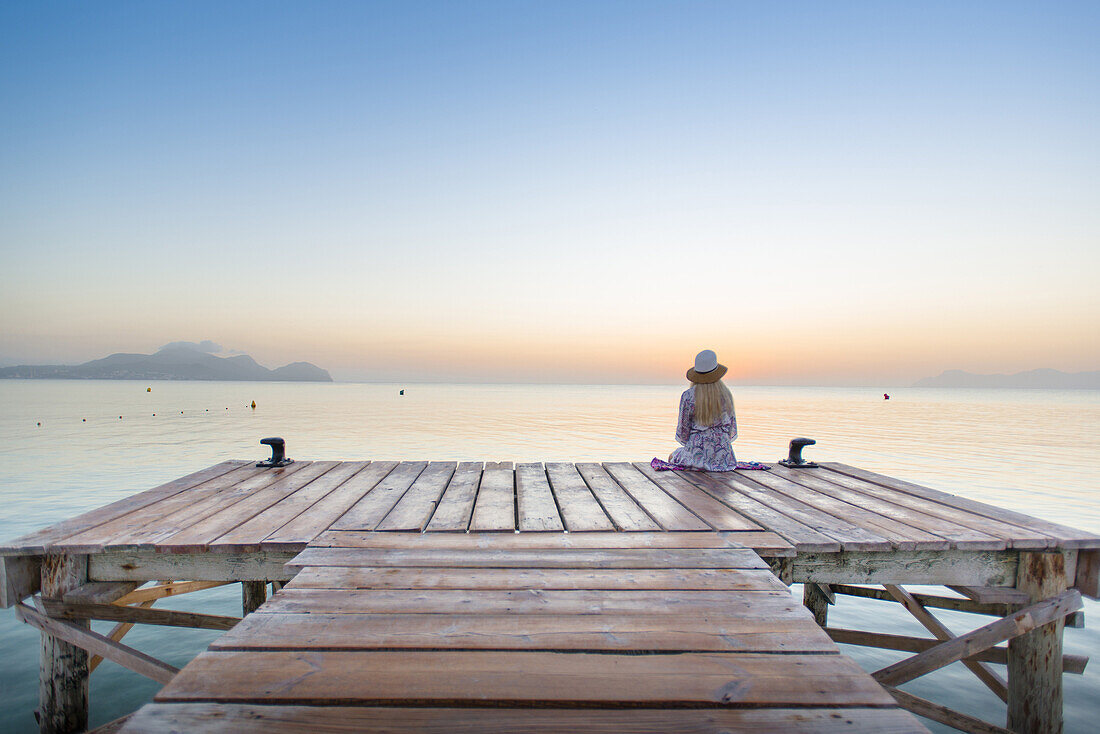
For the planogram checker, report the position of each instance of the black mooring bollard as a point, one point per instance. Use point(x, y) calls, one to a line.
point(278, 452)
point(794, 458)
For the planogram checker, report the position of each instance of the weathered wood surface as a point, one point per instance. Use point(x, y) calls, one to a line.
point(20, 576)
point(763, 542)
point(237, 508)
point(573, 558)
point(970, 568)
point(686, 579)
point(63, 671)
point(1073, 664)
point(83, 639)
point(37, 542)
point(490, 678)
point(497, 619)
point(150, 566)
point(1035, 658)
point(255, 719)
point(58, 609)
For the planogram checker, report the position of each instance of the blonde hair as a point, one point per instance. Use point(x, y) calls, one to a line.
point(711, 401)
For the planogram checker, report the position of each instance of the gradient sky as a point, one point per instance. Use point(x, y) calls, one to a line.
point(825, 193)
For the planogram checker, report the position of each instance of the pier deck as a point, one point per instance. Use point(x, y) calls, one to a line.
point(550, 597)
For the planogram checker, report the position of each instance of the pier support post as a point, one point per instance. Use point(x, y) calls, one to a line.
point(816, 601)
point(254, 593)
point(63, 672)
point(1035, 658)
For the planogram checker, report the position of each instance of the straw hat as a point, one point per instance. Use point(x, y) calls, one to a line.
point(706, 368)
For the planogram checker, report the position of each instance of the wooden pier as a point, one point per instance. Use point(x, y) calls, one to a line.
point(443, 596)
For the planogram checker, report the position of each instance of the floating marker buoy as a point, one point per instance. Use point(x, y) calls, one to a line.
point(120, 417)
point(39, 423)
point(886, 396)
point(154, 415)
point(253, 405)
point(83, 420)
point(148, 389)
point(401, 393)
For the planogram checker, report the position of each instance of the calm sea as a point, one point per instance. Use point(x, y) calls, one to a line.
point(1037, 451)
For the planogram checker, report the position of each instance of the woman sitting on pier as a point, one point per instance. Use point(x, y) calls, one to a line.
point(707, 425)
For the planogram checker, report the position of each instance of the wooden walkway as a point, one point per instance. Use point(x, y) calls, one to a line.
point(557, 597)
point(674, 633)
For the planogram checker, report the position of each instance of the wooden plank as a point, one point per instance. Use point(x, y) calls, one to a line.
point(138, 615)
point(99, 592)
point(770, 543)
point(536, 510)
point(499, 465)
point(456, 507)
point(966, 645)
point(668, 512)
point(627, 514)
point(756, 598)
point(415, 508)
point(534, 579)
point(150, 565)
point(635, 633)
point(20, 577)
point(162, 591)
point(37, 542)
point(607, 558)
point(250, 534)
point(375, 504)
point(580, 510)
point(992, 594)
point(495, 507)
point(929, 600)
point(200, 534)
point(1026, 531)
point(992, 680)
point(849, 535)
point(713, 512)
point(906, 530)
point(1073, 664)
point(1087, 578)
point(727, 489)
point(146, 526)
point(971, 568)
point(93, 642)
point(490, 679)
point(904, 509)
point(254, 719)
point(963, 528)
point(307, 526)
point(944, 715)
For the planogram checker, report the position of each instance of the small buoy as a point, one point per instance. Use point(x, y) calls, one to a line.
point(148, 389)
point(401, 393)
point(120, 417)
point(181, 412)
point(885, 396)
point(154, 415)
point(83, 420)
point(39, 423)
point(253, 405)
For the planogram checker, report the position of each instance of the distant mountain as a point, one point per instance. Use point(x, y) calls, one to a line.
point(179, 361)
point(1041, 378)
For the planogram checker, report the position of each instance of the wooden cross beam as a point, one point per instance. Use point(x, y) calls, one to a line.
point(992, 680)
point(96, 643)
point(983, 638)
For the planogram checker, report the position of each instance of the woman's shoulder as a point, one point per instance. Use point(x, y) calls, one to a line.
point(688, 395)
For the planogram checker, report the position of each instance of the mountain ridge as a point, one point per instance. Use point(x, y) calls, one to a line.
point(172, 362)
point(1044, 378)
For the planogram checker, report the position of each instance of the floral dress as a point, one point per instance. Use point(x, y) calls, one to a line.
point(704, 447)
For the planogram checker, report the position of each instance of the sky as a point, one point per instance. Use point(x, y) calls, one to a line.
point(824, 193)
